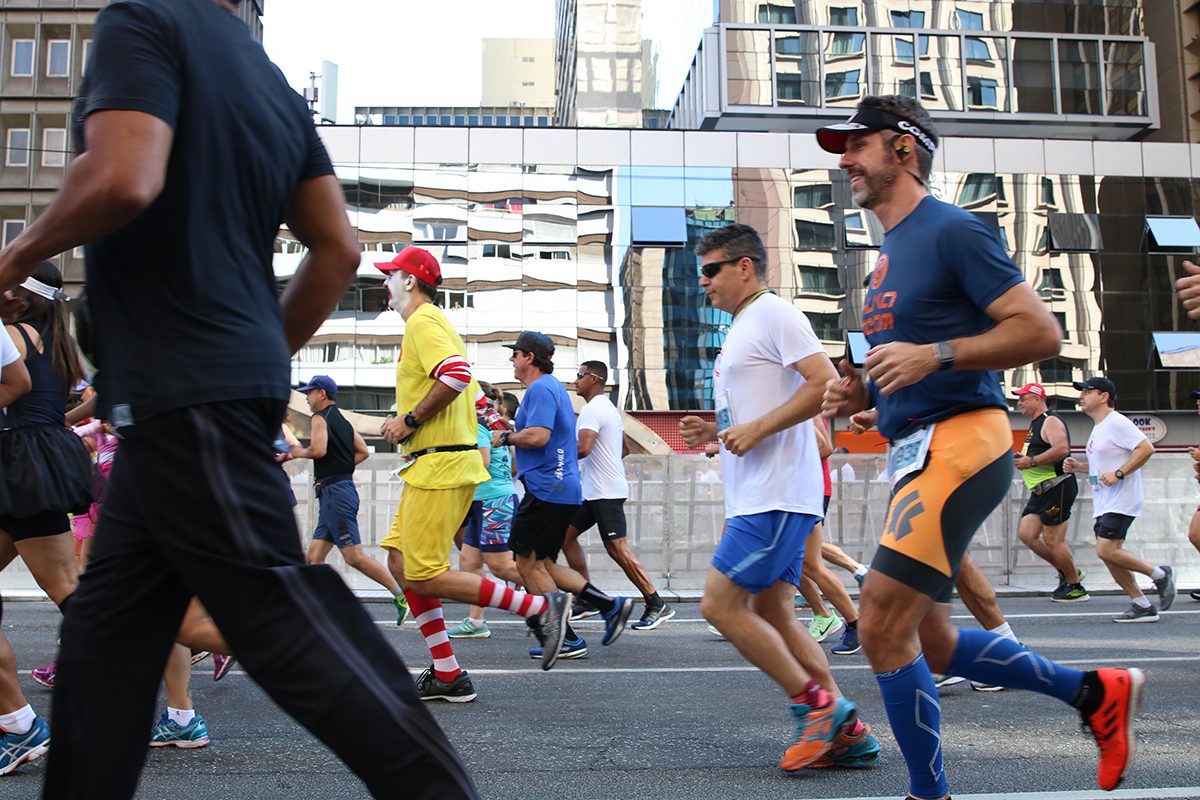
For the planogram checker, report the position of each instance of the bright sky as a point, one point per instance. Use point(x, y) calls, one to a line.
point(413, 52)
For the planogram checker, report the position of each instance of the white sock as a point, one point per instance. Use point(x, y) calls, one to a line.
point(19, 721)
point(862, 570)
point(1004, 630)
point(1141, 601)
point(1158, 574)
point(181, 716)
point(477, 621)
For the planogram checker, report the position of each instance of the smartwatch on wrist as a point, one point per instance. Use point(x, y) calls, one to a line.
point(1120, 474)
point(411, 421)
point(944, 353)
point(1033, 461)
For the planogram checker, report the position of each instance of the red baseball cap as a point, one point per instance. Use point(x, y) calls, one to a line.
point(1031, 388)
point(416, 262)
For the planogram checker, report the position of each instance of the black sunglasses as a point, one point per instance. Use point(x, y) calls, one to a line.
point(711, 269)
point(581, 375)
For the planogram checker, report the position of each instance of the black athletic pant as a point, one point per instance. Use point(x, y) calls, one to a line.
point(197, 506)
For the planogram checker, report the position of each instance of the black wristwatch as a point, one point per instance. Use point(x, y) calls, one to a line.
point(944, 353)
point(504, 438)
point(411, 421)
point(1120, 474)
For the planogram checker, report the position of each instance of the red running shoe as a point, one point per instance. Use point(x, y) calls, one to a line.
point(1112, 723)
point(45, 675)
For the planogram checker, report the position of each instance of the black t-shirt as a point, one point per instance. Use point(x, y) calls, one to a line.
point(184, 299)
point(339, 447)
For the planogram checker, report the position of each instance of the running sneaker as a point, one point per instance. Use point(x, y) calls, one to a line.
point(571, 648)
point(1196, 595)
point(1136, 613)
point(850, 644)
point(582, 609)
point(470, 629)
point(19, 748)
point(856, 751)
point(1112, 722)
point(1166, 587)
point(222, 665)
point(168, 733)
point(980, 686)
point(800, 602)
point(822, 628)
point(614, 620)
point(401, 604)
point(459, 690)
point(199, 655)
point(653, 617)
point(713, 630)
point(859, 579)
point(551, 626)
point(45, 675)
point(815, 731)
point(941, 681)
point(1070, 593)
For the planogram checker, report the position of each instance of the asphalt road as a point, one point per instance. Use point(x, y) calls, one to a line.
point(677, 714)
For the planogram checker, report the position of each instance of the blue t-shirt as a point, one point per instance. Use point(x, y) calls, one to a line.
point(937, 272)
point(500, 468)
point(551, 472)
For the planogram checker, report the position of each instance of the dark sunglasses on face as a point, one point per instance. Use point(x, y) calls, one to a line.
point(711, 269)
point(581, 375)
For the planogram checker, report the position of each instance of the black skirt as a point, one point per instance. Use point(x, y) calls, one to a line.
point(44, 468)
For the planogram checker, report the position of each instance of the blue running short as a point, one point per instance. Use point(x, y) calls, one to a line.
point(337, 514)
point(489, 524)
point(758, 550)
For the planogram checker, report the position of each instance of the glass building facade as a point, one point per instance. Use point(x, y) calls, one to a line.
point(587, 235)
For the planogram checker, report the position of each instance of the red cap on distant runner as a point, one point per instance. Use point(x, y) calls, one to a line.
point(1031, 388)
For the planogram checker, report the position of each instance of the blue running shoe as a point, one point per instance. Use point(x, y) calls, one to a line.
point(571, 648)
point(850, 644)
point(614, 621)
point(815, 731)
point(18, 748)
point(168, 733)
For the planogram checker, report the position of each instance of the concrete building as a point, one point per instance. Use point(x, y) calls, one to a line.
point(518, 73)
point(601, 78)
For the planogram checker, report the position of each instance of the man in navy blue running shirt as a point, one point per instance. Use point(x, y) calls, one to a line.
point(945, 308)
point(193, 150)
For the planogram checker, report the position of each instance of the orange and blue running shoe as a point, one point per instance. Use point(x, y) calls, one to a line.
point(853, 750)
point(1112, 723)
point(815, 731)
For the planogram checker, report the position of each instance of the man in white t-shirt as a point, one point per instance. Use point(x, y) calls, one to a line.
point(1116, 451)
point(600, 436)
point(768, 382)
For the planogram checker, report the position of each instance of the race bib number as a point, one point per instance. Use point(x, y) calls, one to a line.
point(1093, 479)
point(724, 411)
point(907, 455)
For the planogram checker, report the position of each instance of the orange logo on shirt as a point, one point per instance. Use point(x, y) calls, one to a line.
point(880, 271)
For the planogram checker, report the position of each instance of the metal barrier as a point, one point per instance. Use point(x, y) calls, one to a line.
point(676, 514)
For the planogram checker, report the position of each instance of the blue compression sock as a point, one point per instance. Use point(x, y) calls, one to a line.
point(988, 658)
point(913, 710)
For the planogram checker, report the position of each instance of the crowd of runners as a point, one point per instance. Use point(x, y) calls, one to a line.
point(167, 560)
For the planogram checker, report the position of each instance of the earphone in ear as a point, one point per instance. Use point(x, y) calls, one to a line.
point(903, 149)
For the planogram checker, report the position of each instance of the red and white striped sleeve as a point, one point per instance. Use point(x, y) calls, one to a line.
point(454, 372)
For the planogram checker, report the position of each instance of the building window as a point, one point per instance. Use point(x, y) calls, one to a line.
point(87, 54)
point(826, 326)
point(908, 87)
point(554, 255)
point(858, 230)
point(820, 280)
point(661, 226)
point(1047, 192)
point(969, 20)
point(453, 299)
point(1172, 234)
point(473, 120)
point(11, 228)
point(904, 48)
point(817, 195)
point(1074, 233)
point(22, 58)
point(842, 84)
point(1051, 286)
point(527, 83)
point(1061, 316)
point(487, 120)
point(402, 119)
point(791, 87)
point(526, 59)
point(445, 119)
point(908, 19)
point(976, 49)
point(978, 186)
point(981, 92)
point(842, 16)
point(814, 235)
point(497, 251)
point(18, 148)
point(528, 122)
point(777, 13)
point(846, 44)
point(54, 147)
point(544, 121)
point(1056, 371)
point(460, 120)
point(58, 61)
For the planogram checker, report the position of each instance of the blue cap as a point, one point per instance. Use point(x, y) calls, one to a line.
point(320, 382)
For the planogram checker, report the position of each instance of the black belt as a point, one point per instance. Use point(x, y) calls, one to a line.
point(331, 480)
point(444, 448)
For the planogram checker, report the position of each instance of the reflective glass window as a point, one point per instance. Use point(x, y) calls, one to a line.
point(777, 12)
point(748, 67)
point(981, 92)
point(1061, 317)
point(1056, 370)
point(514, 121)
point(658, 226)
point(1079, 71)
point(487, 120)
point(473, 120)
point(54, 147)
point(843, 84)
point(1051, 287)
point(1176, 349)
point(797, 67)
point(1124, 75)
point(904, 48)
point(820, 280)
point(969, 20)
point(528, 122)
point(813, 235)
point(58, 62)
point(1033, 76)
point(12, 227)
point(862, 230)
point(501, 121)
point(908, 19)
point(431, 119)
point(543, 121)
point(976, 49)
point(843, 15)
point(846, 44)
point(445, 119)
point(1171, 233)
point(22, 58)
point(460, 120)
point(977, 187)
point(817, 195)
point(1075, 233)
point(944, 65)
point(827, 327)
point(18, 148)
point(1047, 192)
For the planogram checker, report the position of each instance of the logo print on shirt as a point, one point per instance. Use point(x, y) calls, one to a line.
point(880, 272)
point(907, 508)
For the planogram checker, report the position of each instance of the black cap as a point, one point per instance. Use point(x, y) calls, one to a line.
point(1196, 395)
point(1100, 384)
point(832, 138)
point(534, 342)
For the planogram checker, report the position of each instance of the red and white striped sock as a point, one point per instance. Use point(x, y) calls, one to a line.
point(497, 595)
point(427, 611)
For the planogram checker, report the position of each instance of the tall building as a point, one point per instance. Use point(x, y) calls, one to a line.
point(44, 49)
point(518, 73)
point(600, 64)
